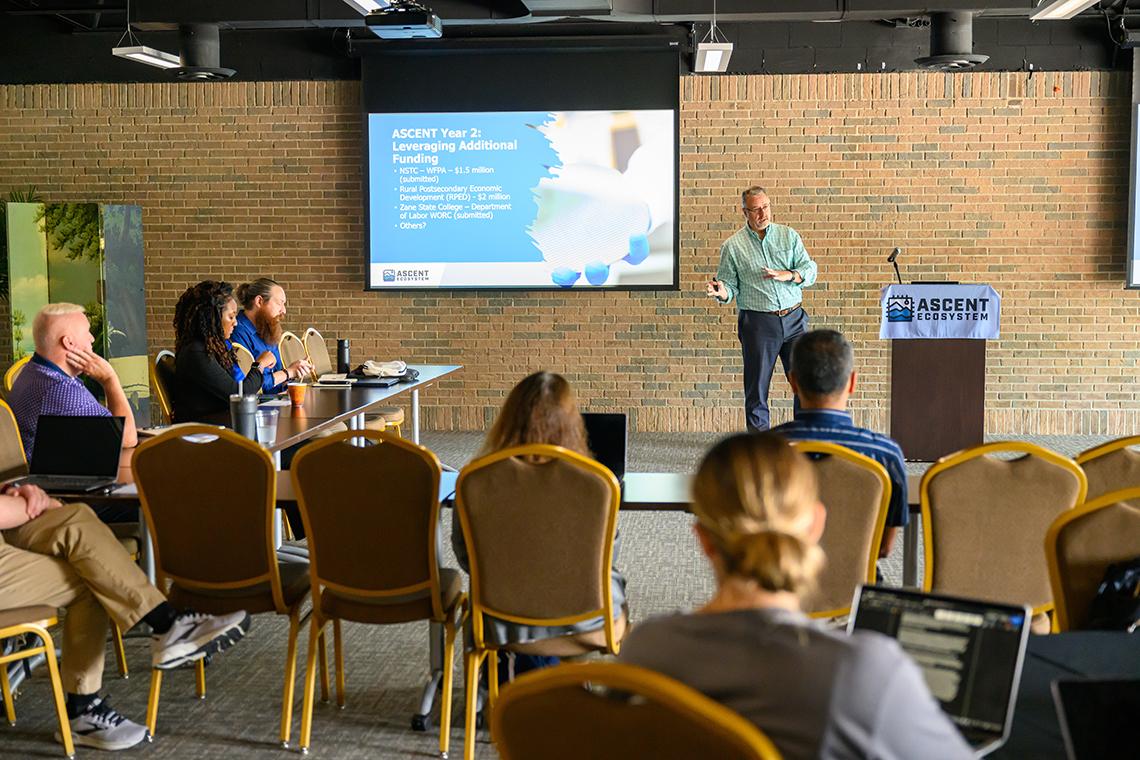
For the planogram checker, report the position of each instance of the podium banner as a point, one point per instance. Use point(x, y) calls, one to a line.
point(940, 311)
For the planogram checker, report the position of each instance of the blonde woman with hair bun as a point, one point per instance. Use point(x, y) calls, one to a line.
point(816, 692)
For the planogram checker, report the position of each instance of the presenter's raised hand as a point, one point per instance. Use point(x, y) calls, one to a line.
point(779, 275)
point(714, 288)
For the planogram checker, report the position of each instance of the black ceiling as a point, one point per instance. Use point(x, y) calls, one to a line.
point(70, 40)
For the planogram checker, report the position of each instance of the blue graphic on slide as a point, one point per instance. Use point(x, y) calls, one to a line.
point(564, 199)
point(456, 188)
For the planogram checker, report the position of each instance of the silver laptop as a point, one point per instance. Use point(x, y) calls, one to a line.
point(76, 454)
point(970, 653)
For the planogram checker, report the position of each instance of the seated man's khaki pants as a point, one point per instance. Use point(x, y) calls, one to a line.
point(67, 558)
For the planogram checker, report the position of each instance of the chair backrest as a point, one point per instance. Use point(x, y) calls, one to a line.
point(162, 378)
point(379, 501)
point(984, 521)
point(12, 460)
point(209, 496)
point(1082, 543)
point(613, 710)
point(14, 372)
point(857, 493)
point(1111, 466)
point(539, 523)
point(245, 357)
point(318, 352)
point(291, 347)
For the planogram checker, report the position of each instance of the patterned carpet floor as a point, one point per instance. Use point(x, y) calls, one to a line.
point(386, 666)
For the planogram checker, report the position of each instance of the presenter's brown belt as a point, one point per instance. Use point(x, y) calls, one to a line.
point(785, 312)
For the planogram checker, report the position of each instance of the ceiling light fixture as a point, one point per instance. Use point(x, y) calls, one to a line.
point(140, 53)
point(367, 6)
point(1059, 10)
point(713, 51)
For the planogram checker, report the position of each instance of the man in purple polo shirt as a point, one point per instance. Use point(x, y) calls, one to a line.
point(50, 384)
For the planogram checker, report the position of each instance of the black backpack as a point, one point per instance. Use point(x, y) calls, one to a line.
point(1116, 606)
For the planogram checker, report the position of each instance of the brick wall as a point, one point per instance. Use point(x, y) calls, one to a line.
point(1001, 178)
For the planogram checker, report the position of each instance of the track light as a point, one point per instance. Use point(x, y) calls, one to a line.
point(148, 55)
point(367, 6)
point(1058, 10)
point(712, 57)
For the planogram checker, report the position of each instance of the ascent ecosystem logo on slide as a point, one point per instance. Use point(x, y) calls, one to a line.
point(900, 309)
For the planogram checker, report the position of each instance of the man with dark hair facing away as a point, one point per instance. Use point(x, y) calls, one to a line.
point(823, 377)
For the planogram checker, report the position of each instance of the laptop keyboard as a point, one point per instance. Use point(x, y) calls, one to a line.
point(67, 482)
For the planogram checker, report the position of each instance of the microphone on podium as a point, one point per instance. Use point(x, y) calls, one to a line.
point(891, 260)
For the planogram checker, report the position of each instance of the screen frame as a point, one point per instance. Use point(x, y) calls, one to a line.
point(675, 104)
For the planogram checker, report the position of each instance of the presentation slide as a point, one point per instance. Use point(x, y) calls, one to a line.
point(522, 199)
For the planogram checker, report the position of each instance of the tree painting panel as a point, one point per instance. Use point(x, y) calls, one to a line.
point(27, 272)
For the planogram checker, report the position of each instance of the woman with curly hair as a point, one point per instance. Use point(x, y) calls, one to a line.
point(206, 371)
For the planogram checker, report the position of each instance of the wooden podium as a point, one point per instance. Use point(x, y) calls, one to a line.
point(938, 334)
point(938, 396)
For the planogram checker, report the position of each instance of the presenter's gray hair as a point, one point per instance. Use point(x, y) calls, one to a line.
point(822, 361)
point(752, 191)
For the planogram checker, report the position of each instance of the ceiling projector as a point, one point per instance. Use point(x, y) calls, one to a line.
point(404, 21)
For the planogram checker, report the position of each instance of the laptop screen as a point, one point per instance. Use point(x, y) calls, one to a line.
point(970, 652)
point(606, 435)
point(77, 446)
point(1098, 718)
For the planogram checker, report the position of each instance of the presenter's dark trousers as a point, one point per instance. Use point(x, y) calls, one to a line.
point(764, 337)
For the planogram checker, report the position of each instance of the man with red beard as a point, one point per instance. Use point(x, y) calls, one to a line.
point(259, 329)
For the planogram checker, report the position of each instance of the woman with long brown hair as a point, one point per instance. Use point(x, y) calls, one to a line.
point(206, 371)
point(540, 409)
point(817, 693)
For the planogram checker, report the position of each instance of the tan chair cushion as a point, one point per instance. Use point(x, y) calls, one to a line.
point(378, 419)
point(852, 496)
point(538, 537)
point(23, 615)
point(1086, 546)
point(399, 610)
point(988, 522)
point(1112, 472)
point(253, 599)
point(129, 535)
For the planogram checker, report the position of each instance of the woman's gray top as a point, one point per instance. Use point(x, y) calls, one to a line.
point(814, 692)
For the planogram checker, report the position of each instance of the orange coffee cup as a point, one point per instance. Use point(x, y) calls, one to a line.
point(297, 393)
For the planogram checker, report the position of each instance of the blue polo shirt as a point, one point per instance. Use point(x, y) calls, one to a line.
point(246, 334)
point(43, 388)
point(832, 426)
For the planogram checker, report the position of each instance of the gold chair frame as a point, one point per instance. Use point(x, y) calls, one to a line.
point(47, 649)
point(14, 372)
point(163, 578)
point(451, 625)
point(160, 390)
point(712, 717)
point(482, 650)
point(880, 472)
point(958, 457)
point(1061, 614)
point(1104, 449)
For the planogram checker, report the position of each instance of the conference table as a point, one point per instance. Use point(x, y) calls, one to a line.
point(323, 410)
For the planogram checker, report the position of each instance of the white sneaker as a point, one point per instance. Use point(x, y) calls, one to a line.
point(102, 727)
point(194, 635)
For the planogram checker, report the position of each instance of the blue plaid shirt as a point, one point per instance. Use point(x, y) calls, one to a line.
point(832, 426)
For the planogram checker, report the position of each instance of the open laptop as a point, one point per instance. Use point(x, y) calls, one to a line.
point(970, 653)
point(76, 454)
point(608, 437)
point(1098, 717)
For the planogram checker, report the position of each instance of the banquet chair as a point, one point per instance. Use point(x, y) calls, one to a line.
point(317, 350)
point(614, 711)
point(245, 358)
point(291, 349)
point(14, 372)
point(162, 378)
point(34, 621)
point(1111, 466)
